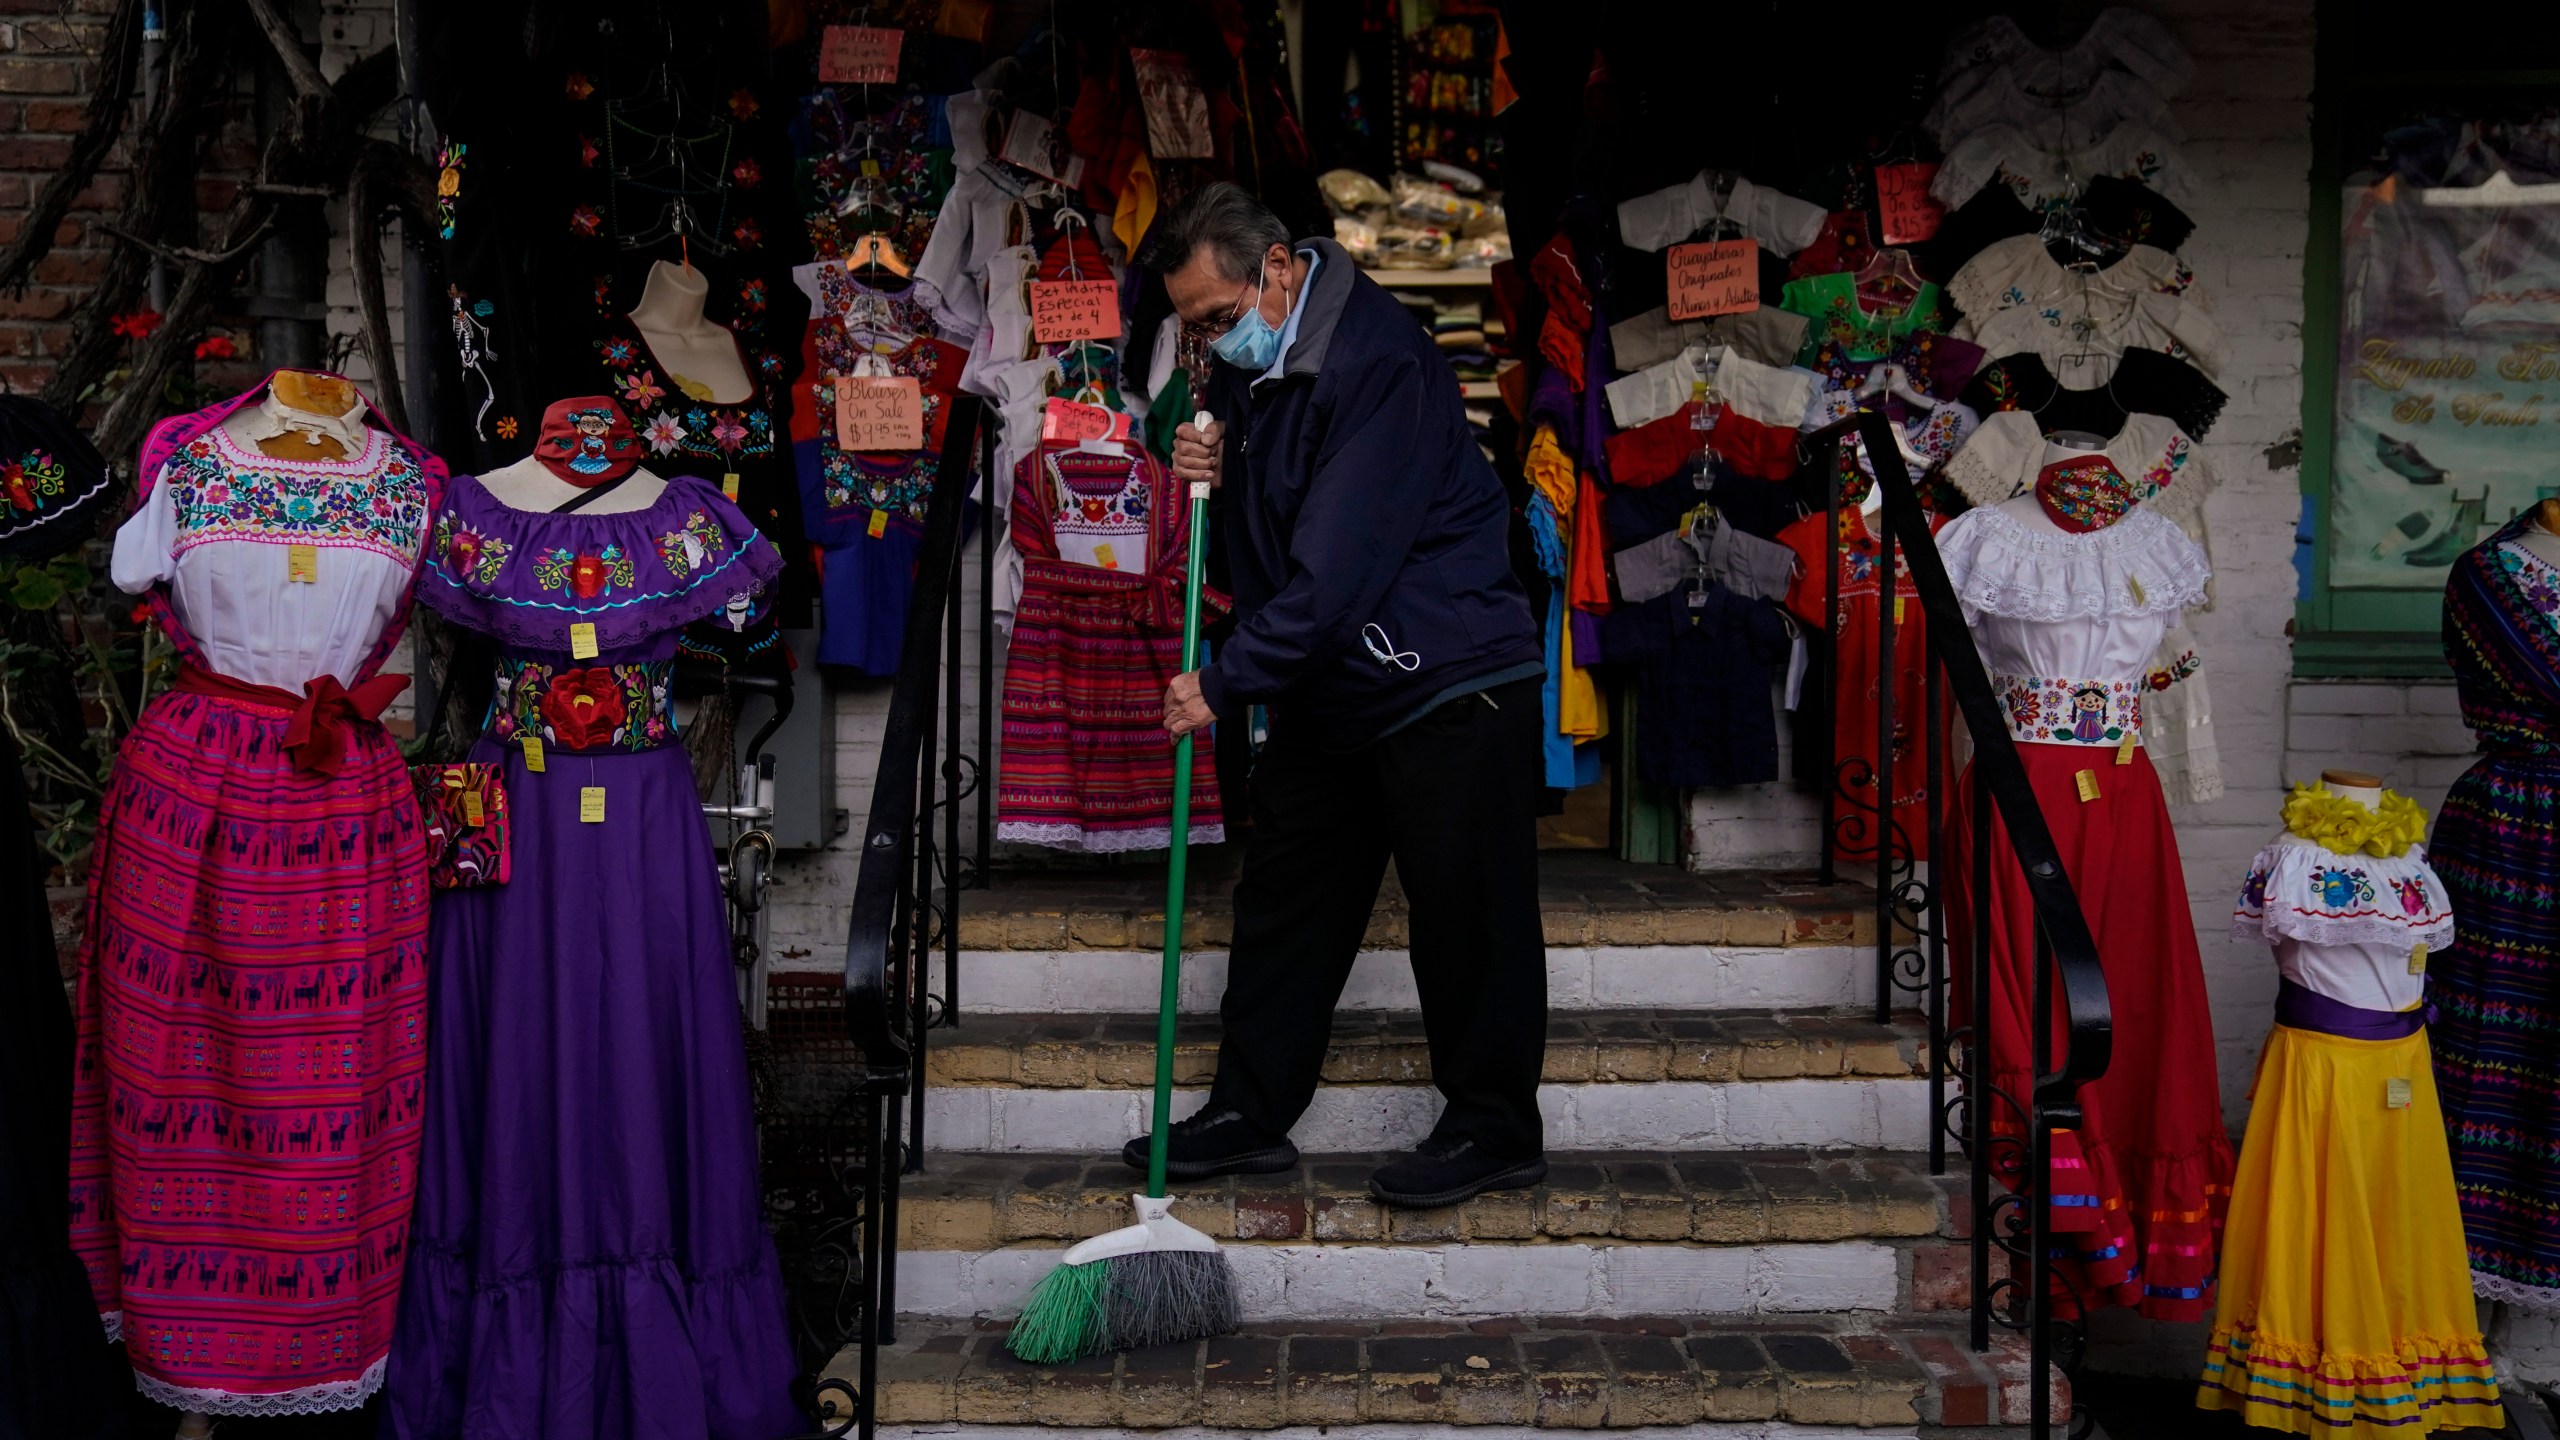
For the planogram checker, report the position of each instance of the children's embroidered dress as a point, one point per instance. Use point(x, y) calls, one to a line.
point(2497, 991)
point(589, 1259)
point(1086, 763)
point(252, 983)
point(2346, 1301)
point(2067, 624)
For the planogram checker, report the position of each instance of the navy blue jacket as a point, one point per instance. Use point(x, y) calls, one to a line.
point(1359, 518)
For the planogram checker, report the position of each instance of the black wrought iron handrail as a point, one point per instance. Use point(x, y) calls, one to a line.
point(875, 1014)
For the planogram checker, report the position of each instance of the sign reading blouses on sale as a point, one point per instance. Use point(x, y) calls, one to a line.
point(877, 412)
point(1074, 310)
point(1910, 214)
point(860, 55)
point(1714, 277)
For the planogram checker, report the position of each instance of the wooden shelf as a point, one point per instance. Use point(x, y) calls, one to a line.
point(1434, 279)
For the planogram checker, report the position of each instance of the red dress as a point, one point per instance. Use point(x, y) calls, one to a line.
point(1856, 642)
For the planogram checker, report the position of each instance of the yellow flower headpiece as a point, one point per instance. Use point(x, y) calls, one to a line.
point(2334, 822)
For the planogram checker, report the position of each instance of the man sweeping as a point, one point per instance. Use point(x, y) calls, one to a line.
point(1381, 627)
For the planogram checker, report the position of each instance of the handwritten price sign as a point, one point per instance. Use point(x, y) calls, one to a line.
point(1074, 310)
point(860, 55)
point(879, 413)
point(1065, 422)
point(1715, 277)
point(1904, 205)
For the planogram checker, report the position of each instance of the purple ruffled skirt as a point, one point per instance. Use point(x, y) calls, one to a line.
point(588, 1256)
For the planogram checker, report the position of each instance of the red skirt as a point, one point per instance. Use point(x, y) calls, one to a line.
point(2137, 1193)
point(252, 1008)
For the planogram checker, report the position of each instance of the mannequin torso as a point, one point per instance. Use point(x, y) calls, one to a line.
point(528, 484)
point(306, 415)
point(2539, 537)
point(701, 359)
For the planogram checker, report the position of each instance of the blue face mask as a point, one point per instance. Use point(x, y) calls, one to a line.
point(1251, 343)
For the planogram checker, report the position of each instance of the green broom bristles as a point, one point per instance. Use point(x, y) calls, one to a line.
point(1155, 1297)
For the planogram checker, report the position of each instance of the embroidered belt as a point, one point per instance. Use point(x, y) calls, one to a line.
point(584, 708)
point(2299, 1007)
point(2053, 710)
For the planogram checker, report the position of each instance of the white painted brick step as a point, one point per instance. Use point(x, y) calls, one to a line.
point(1460, 1281)
point(1634, 977)
point(1657, 1116)
point(1706, 1430)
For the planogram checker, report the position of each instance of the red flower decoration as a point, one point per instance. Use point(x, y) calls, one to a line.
point(744, 105)
point(585, 220)
point(583, 707)
point(507, 427)
point(135, 325)
point(464, 549)
point(747, 173)
point(13, 479)
point(587, 152)
point(579, 86)
point(748, 234)
point(216, 347)
point(586, 575)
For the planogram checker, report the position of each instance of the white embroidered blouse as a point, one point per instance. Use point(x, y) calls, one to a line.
point(1780, 222)
point(2345, 926)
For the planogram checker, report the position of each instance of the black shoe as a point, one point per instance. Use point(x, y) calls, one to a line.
point(1444, 1172)
point(1215, 1142)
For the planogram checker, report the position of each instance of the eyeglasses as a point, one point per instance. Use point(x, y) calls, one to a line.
point(1212, 329)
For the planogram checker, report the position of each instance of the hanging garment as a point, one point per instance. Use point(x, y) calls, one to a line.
point(2022, 271)
point(2120, 38)
point(2079, 116)
point(1857, 647)
point(1707, 661)
point(588, 1258)
point(2144, 382)
point(2079, 334)
point(2066, 625)
point(1781, 223)
point(2497, 847)
point(58, 1378)
point(2346, 1300)
point(1086, 764)
point(866, 509)
point(1843, 320)
point(2042, 167)
point(1769, 335)
point(252, 984)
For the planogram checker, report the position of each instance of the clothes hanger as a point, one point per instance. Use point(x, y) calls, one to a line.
point(1889, 269)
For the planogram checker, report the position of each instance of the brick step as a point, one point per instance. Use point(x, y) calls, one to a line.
point(1587, 900)
point(1095, 1051)
point(1710, 1376)
point(1605, 1236)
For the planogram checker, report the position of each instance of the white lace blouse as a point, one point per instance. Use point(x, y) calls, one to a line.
point(221, 525)
point(2345, 926)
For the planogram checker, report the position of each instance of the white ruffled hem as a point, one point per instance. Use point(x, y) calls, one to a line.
point(2283, 900)
point(325, 1398)
point(2541, 1299)
point(2141, 565)
point(1062, 835)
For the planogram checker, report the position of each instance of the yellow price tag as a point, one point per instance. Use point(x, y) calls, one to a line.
point(533, 753)
point(2136, 582)
point(591, 804)
point(582, 640)
point(1897, 609)
point(472, 814)
point(2124, 749)
point(2087, 780)
point(1102, 556)
point(2395, 1094)
point(879, 525)
point(729, 486)
point(302, 564)
point(2418, 958)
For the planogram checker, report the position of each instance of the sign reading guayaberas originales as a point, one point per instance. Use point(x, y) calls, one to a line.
point(860, 55)
point(879, 412)
point(1903, 202)
point(1714, 277)
point(2447, 414)
point(1074, 310)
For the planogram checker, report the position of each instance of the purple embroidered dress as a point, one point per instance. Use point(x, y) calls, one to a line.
point(588, 1258)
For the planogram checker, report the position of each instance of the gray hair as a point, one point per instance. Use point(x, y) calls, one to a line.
point(1224, 218)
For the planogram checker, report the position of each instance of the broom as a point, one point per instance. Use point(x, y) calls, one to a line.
point(1159, 1281)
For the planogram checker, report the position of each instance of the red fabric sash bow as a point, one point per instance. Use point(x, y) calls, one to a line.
point(322, 713)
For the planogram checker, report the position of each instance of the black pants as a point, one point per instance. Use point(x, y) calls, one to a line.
point(1453, 799)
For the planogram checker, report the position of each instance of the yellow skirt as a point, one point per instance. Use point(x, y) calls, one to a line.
point(2345, 1291)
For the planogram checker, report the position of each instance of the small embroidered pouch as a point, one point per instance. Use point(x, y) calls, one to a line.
point(465, 808)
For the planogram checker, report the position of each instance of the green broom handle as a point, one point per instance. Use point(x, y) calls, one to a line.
point(1171, 998)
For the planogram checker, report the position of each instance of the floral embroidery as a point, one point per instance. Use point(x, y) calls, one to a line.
point(584, 576)
point(376, 501)
point(664, 434)
point(579, 87)
point(597, 707)
point(2412, 892)
point(744, 105)
point(449, 162)
point(32, 482)
point(704, 431)
point(747, 173)
point(751, 297)
point(2253, 891)
point(641, 390)
point(588, 152)
point(696, 543)
point(467, 552)
point(2340, 887)
point(2176, 670)
point(2084, 495)
point(748, 234)
point(618, 352)
point(2165, 469)
point(2070, 712)
point(586, 220)
point(509, 427)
